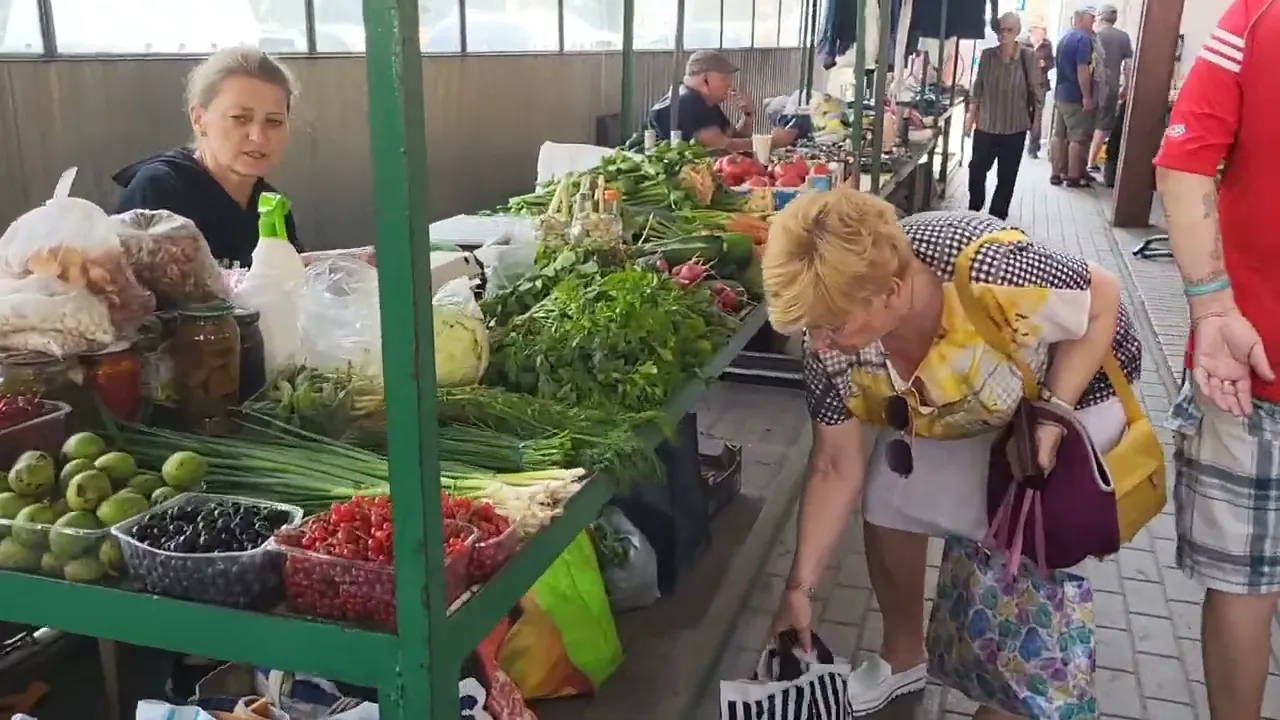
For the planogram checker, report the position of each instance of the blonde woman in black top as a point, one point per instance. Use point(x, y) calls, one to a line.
point(1002, 105)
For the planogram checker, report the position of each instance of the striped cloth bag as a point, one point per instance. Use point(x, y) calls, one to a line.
point(789, 684)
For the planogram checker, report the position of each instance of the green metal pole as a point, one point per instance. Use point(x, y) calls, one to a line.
point(422, 688)
point(811, 53)
point(627, 120)
point(859, 90)
point(806, 7)
point(882, 74)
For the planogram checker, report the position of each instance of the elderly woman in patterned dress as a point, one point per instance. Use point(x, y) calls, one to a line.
point(884, 328)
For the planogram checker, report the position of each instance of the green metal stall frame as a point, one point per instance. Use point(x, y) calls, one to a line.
point(415, 670)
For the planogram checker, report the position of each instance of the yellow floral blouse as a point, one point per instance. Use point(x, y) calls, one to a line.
point(1038, 295)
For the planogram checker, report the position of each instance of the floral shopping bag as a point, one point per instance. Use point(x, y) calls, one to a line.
point(1019, 639)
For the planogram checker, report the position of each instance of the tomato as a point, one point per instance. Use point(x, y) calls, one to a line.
point(819, 169)
point(758, 182)
point(794, 167)
point(790, 181)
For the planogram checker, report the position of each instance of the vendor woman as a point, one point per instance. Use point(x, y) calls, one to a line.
point(238, 101)
point(708, 81)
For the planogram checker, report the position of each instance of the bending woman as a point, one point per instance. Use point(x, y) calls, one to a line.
point(884, 325)
point(239, 102)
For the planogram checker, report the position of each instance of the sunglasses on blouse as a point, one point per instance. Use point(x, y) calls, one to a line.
point(897, 415)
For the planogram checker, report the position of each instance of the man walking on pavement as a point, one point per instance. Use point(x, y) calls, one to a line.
point(1228, 414)
point(1074, 102)
point(1038, 41)
point(1117, 56)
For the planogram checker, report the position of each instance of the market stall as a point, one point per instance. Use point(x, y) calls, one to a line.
point(225, 464)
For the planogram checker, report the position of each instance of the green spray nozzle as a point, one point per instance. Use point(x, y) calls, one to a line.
point(272, 209)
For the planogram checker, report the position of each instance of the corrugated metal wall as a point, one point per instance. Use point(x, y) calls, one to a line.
point(486, 118)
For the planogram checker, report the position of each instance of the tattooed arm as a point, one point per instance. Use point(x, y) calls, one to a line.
point(1191, 211)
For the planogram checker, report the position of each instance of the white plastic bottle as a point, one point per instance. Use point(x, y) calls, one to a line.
point(272, 285)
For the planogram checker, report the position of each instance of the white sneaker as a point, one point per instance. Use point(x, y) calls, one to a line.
point(874, 684)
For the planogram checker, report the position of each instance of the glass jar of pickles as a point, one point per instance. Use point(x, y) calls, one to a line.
point(206, 356)
point(253, 357)
point(115, 376)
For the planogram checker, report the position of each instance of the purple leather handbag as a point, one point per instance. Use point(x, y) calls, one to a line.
point(1072, 510)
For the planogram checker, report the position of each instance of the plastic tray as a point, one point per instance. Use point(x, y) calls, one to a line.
point(354, 591)
point(44, 433)
point(249, 579)
point(47, 550)
point(488, 557)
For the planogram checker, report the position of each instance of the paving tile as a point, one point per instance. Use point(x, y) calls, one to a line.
point(1186, 620)
point(1145, 598)
point(1160, 710)
point(1115, 650)
point(1109, 611)
point(1163, 678)
point(1192, 660)
point(1117, 693)
point(1139, 565)
point(1153, 635)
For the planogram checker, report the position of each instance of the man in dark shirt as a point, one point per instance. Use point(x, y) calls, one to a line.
point(708, 81)
point(1038, 41)
point(1117, 56)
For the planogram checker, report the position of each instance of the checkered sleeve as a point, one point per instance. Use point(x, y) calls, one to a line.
point(1045, 291)
point(825, 400)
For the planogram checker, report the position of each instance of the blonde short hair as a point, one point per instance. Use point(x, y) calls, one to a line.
point(828, 253)
point(206, 79)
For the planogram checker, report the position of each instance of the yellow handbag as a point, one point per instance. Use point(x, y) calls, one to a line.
point(1136, 463)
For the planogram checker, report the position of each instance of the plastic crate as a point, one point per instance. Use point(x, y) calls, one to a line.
point(358, 592)
point(248, 579)
point(48, 550)
point(45, 434)
point(488, 557)
point(721, 469)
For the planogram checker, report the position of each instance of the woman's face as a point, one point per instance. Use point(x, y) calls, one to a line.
point(1008, 30)
point(872, 321)
point(245, 128)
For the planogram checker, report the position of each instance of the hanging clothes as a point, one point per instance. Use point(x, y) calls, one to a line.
point(966, 19)
point(839, 31)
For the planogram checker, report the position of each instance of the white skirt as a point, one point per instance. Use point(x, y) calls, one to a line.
point(947, 491)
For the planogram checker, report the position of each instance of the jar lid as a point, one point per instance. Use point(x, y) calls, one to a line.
point(244, 316)
point(215, 308)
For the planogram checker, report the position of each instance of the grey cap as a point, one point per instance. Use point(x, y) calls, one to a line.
point(1108, 11)
point(709, 61)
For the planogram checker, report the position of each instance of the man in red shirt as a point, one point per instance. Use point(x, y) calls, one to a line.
point(1227, 492)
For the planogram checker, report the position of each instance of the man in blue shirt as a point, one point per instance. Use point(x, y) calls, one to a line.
point(1076, 106)
point(708, 81)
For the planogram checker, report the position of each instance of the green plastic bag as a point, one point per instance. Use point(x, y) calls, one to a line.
point(562, 639)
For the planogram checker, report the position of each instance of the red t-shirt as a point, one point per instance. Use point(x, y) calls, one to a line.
point(1229, 110)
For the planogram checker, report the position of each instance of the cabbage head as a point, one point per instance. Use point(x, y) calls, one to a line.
point(462, 345)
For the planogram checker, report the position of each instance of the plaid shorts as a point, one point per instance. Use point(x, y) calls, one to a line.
point(1227, 495)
